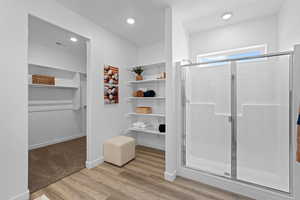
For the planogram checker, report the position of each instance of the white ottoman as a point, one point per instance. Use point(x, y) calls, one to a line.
point(119, 150)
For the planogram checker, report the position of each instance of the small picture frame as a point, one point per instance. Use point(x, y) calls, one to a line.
point(111, 94)
point(111, 75)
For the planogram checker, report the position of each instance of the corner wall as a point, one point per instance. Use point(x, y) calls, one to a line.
point(176, 44)
point(289, 25)
point(104, 121)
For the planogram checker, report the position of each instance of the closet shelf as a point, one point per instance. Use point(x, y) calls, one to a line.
point(147, 81)
point(145, 115)
point(145, 131)
point(52, 86)
point(146, 98)
point(54, 68)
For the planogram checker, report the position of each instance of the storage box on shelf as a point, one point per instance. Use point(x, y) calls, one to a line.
point(42, 79)
point(143, 110)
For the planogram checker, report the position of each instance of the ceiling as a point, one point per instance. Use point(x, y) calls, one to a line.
point(197, 15)
point(112, 15)
point(44, 33)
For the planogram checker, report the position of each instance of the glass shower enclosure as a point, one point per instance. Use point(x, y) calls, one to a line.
point(237, 119)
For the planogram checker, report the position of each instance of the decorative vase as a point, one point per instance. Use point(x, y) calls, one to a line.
point(139, 77)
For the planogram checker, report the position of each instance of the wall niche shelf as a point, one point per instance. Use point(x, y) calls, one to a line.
point(148, 136)
point(151, 66)
point(145, 131)
point(145, 115)
point(52, 86)
point(32, 64)
point(146, 98)
point(147, 81)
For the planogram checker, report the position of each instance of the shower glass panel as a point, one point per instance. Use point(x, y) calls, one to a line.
point(207, 112)
point(237, 120)
point(263, 122)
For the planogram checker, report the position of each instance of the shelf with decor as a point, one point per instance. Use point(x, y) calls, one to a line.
point(145, 115)
point(147, 81)
point(147, 102)
point(151, 66)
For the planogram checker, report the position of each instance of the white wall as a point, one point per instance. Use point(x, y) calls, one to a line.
point(176, 44)
point(151, 54)
point(289, 25)
point(249, 33)
point(105, 121)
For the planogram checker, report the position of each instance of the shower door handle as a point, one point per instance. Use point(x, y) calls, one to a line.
point(230, 119)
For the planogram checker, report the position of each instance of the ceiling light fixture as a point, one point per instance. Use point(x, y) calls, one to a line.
point(73, 39)
point(227, 16)
point(130, 21)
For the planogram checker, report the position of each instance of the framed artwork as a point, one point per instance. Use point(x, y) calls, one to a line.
point(111, 85)
point(111, 75)
point(111, 94)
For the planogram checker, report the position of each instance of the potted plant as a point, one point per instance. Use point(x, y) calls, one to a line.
point(138, 71)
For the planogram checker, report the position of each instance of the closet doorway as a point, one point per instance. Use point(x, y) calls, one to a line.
point(57, 85)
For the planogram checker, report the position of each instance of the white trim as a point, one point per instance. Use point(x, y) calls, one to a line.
point(94, 163)
point(170, 176)
point(23, 196)
point(55, 141)
point(233, 186)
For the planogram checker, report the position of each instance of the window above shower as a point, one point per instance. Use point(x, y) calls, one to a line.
point(233, 54)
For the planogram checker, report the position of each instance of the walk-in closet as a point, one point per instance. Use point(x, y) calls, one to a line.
point(57, 103)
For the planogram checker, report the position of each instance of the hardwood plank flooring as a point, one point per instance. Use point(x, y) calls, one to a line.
point(141, 179)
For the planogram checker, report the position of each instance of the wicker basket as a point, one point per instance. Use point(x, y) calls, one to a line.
point(143, 110)
point(42, 79)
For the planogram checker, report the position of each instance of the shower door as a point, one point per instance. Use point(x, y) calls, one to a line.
point(208, 118)
point(237, 120)
point(262, 128)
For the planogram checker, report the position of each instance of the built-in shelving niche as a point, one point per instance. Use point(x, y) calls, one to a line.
point(157, 103)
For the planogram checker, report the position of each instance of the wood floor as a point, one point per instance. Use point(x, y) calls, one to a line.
point(141, 179)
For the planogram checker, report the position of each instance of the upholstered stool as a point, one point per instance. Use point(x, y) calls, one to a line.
point(119, 150)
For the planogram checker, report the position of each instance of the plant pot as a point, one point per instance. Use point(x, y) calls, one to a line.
point(139, 77)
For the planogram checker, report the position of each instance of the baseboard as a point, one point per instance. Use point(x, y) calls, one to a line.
point(170, 176)
point(154, 146)
point(94, 163)
point(36, 146)
point(23, 196)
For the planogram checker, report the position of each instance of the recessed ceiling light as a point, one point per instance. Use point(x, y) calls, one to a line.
point(73, 39)
point(130, 21)
point(227, 16)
